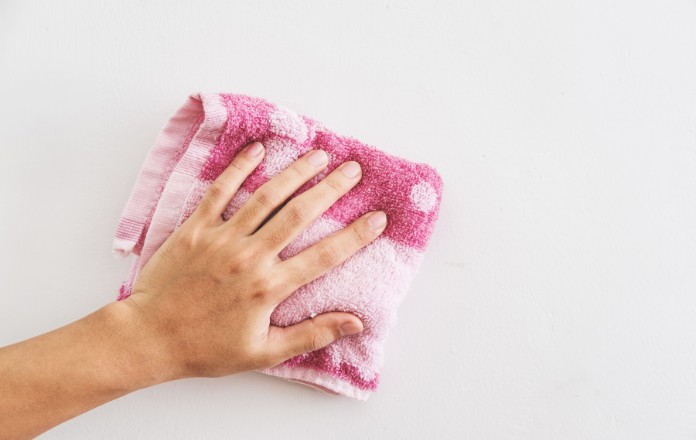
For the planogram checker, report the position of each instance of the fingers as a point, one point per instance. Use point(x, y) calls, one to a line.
point(274, 192)
point(310, 335)
point(221, 191)
point(328, 253)
point(294, 217)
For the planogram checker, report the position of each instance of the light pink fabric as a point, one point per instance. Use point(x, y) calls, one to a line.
point(198, 143)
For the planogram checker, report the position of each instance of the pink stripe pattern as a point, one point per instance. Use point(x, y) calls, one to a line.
point(200, 141)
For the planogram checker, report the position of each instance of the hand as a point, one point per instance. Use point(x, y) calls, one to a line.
point(205, 298)
point(201, 306)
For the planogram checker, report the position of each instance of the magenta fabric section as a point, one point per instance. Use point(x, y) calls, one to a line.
point(200, 141)
point(386, 181)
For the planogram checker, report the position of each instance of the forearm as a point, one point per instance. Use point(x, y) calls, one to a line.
point(56, 376)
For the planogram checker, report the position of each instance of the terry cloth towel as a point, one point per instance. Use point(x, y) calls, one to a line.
point(198, 143)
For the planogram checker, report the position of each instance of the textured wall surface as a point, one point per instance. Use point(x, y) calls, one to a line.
point(558, 295)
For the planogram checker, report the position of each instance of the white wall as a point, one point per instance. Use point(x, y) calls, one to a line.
point(558, 297)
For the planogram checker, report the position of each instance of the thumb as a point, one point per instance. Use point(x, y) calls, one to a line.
point(311, 334)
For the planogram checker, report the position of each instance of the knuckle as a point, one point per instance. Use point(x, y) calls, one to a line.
point(358, 235)
point(243, 260)
point(240, 265)
point(327, 256)
point(216, 190)
point(267, 197)
point(263, 288)
point(274, 239)
point(205, 206)
point(334, 186)
point(316, 341)
point(296, 212)
point(300, 276)
point(240, 163)
point(247, 214)
point(258, 296)
point(299, 169)
point(188, 238)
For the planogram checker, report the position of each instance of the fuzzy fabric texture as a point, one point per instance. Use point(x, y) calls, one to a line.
point(199, 142)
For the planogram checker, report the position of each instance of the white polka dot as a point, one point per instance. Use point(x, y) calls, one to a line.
point(287, 123)
point(319, 126)
point(423, 196)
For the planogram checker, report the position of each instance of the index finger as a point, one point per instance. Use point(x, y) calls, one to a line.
point(219, 194)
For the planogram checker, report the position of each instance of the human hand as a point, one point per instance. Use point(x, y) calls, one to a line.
point(203, 302)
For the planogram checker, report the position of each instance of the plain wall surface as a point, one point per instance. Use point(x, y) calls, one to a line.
point(557, 299)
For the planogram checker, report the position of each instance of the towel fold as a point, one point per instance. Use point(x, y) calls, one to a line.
point(199, 142)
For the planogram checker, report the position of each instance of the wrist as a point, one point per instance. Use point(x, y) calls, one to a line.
point(143, 360)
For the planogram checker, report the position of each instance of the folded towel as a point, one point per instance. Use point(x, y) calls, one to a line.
point(199, 142)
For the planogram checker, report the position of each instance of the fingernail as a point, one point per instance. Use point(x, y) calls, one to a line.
point(254, 149)
point(349, 328)
point(317, 158)
point(350, 169)
point(377, 220)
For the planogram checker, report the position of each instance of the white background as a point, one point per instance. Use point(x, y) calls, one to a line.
point(557, 299)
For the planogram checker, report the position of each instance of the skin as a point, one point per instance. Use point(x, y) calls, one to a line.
point(201, 306)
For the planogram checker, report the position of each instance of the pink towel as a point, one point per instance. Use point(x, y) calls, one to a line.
point(198, 143)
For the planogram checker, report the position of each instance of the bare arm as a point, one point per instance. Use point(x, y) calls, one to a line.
point(55, 376)
point(200, 307)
